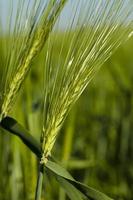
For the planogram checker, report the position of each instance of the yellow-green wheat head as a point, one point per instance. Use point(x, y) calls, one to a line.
point(90, 33)
point(24, 29)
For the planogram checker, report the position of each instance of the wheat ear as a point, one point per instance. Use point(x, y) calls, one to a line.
point(34, 47)
point(100, 28)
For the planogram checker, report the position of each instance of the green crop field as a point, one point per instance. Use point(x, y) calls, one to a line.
point(66, 100)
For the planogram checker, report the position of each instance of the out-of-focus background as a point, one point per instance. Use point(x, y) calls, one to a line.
point(95, 143)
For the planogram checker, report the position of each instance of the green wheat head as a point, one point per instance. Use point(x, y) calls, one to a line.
point(95, 29)
point(25, 42)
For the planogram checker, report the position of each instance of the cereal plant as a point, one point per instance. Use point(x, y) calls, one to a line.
point(73, 40)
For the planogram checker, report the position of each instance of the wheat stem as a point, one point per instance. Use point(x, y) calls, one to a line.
point(39, 183)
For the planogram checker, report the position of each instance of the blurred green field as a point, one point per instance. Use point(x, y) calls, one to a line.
point(95, 143)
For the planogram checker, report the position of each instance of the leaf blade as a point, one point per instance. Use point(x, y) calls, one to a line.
point(88, 192)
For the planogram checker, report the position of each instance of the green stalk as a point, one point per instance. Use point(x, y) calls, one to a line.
point(39, 183)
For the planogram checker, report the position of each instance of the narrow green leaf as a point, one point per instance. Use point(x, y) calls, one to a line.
point(70, 190)
point(59, 170)
point(15, 128)
point(87, 191)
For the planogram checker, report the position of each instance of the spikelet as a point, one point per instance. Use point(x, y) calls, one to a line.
point(26, 39)
point(94, 30)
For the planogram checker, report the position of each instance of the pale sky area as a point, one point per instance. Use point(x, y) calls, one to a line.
point(4, 9)
point(72, 7)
